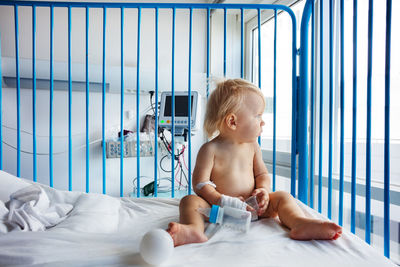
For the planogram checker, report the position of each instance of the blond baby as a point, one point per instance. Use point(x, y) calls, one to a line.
point(229, 169)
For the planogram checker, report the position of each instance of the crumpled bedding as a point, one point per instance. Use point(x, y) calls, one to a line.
point(105, 231)
point(29, 209)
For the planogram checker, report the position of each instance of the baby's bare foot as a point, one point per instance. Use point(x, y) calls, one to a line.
point(316, 229)
point(185, 234)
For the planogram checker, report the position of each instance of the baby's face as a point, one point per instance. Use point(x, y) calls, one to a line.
point(249, 118)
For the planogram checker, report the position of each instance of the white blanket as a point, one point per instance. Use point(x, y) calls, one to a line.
point(106, 231)
point(29, 209)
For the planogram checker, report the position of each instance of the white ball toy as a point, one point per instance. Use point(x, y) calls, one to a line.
point(157, 246)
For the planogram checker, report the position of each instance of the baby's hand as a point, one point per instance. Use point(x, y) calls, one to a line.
point(248, 207)
point(262, 196)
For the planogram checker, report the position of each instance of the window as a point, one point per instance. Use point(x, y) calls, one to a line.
point(283, 74)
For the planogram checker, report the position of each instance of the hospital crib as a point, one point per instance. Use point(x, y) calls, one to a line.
point(303, 90)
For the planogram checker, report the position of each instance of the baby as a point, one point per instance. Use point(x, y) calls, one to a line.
point(229, 169)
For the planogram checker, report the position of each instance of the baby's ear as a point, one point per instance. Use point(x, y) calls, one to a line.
point(231, 121)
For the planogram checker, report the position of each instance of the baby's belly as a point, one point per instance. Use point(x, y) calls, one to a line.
point(235, 186)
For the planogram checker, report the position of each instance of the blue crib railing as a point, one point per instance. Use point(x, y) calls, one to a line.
point(303, 96)
point(139, 7)
point(303, 138)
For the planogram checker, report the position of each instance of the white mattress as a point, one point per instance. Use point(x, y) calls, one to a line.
point(106, 231)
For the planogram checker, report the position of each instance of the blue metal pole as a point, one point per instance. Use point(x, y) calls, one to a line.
point(293, 163)
point(69, 104)
point(241, 44)
point(330, 107)
point(259, 54)
point(386, 241)
point(33, 92)
point(208, 53)
point(369, 106)
point(156, 108)
point(259, 47)
point(173, 107)
point(312, 91)
point(87, 100)
point(137, 105)
point(303, 105)
point(190, 103)
point(1, 114)
point(342, 107)
point(321, 103)
point(103, 100)
point(121, 158)
point(51, 95)
point(354, 137)
point(274, 112)
point(18, 92)
point(224, 42)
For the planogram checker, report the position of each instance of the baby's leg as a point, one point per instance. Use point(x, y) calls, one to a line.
point(301, 228)
point(190, 228)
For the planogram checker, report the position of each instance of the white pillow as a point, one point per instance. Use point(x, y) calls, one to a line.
point(9, 184)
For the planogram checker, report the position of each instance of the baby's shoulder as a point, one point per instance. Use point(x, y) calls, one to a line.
point(208, 148)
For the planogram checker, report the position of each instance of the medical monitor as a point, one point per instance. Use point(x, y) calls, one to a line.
point(181, 110)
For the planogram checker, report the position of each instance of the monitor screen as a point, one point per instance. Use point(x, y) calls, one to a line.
point(181, 106)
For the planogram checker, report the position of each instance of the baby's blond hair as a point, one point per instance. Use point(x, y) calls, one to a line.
point(224, 100)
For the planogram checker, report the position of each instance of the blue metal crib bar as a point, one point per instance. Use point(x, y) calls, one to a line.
point(224, 42)
point(190, 101)
point(312, 92)
point(330, 108)
point(303, 153)
point(368, 152)
point(387, 130)
point(274, 112)
point(173, 105)
point(1, 120)
point(18, 93)
point(69, 104)
point(121, 140)
point(51, 94)
point(354, 137)
point(259, 54)
point(137, 105)
point(156, 115)
point(103, 100)
point(342, 106)
point(321, 104)
point(33, 95)
point(303, 106)
point(87, 98)
point(208, 53)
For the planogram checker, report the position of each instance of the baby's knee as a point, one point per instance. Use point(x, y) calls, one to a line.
point(187, 199)
point(281, 195)
point(191, 200)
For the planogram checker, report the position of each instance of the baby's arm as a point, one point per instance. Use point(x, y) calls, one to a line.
point(202, 174)
point(262, 180)
point(261, 175)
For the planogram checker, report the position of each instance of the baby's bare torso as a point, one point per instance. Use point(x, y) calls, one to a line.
point(232, 171)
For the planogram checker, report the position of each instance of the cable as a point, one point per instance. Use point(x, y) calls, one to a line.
point(165, 156)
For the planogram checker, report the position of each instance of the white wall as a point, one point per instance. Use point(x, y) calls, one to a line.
point(147, 82)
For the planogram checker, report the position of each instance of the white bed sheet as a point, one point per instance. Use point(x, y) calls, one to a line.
point(106, 231)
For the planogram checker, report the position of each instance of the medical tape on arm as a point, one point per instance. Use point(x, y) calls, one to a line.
point(232, 202)
point(199, 186)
